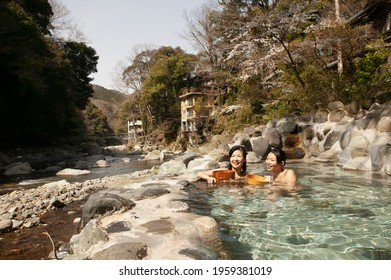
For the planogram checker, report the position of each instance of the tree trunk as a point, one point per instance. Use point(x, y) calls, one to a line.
point(339, 46)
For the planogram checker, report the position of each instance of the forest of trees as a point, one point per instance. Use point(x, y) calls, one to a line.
point(272, 57)
point(46, 80)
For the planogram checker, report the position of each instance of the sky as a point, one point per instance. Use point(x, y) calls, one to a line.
point(116, 28)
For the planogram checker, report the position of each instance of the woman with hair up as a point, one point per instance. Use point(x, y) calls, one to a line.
point(237, 162)
point(275, 163)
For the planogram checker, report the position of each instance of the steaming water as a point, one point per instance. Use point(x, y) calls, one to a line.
point(338, 215)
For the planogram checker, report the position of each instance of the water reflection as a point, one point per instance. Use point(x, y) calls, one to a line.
point(337, 215)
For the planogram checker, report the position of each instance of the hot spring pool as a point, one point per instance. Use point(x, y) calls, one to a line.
point(338, 215)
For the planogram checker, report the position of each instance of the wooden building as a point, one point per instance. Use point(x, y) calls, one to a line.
point(194, 106)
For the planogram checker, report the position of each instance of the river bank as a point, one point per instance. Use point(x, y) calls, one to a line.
point(34, 243)
point(147, 211)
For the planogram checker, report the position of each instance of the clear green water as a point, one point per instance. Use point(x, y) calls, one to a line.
point(339, 215)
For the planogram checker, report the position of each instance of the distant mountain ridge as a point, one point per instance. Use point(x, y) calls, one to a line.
point(108, 95)
point(108, 102)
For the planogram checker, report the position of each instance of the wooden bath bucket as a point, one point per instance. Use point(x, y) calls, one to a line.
point(221, 175)
point(253, 179)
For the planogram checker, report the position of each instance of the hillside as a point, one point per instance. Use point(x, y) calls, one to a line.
point(108, 95)
point(108, 102)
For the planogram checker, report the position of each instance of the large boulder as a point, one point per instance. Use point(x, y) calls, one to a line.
point(273, 136)
point(384, 125)
point(200, 164)
point(153, 155)
point(287, 126)
point(101, 203)
point(171, 168)
point(91, 234)
point(321, 116)
point(335, 105)
point(383, 97)
point(377, 153)
point(358, 145)
point(72, 172)
point(5, 225)
point(18, 168)
point(337, 115)
point(331, 138)
point(253, 157)
point(260, 146)
point(242, 139)
point(353, 108)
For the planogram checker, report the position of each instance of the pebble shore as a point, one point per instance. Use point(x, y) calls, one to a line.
point(23, 208)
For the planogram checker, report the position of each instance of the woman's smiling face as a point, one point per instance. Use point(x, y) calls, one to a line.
point(271, 162)
point(237, 159)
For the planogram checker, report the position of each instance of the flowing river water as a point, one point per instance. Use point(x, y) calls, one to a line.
point(34, 243)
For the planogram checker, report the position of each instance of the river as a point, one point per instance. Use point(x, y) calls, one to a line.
point(34, 243)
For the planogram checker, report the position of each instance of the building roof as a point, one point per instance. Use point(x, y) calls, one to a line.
point(190, 94)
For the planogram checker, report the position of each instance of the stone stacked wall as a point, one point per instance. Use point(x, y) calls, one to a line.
point(353, 138)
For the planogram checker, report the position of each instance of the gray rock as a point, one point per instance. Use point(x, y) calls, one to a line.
point(337, 115)
point(55, 202)
point(252, 131)
point(358, 145)
point(252, 157)
point(260, 146)
point(120, 226)
point(335, 105)
point(5, 226)
point(123, 251)
point(202, 164)
point(384, 125)
point(172, 168)
point(90, 235)
point(321, 116)
point(187, 157)
point(102, 163)
point(34, 221)
point(295, 153)
point(287, 126)
point(273, 136)
point(383, 97)
point(377, 153)
point(353, 108)
point(101, 203)
point(18, 168)
point(331, 138)
point(307, 136)
point(241, 138)
point(16, 224)
point(152, 193)
point(72, 172)
point(177, 206)
point(5, 216)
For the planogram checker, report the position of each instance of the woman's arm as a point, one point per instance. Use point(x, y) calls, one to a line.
point(207, 175)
